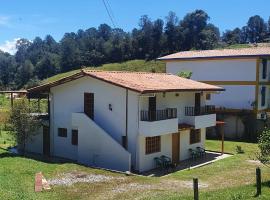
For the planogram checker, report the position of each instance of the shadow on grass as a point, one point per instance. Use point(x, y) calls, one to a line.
point(34, 156)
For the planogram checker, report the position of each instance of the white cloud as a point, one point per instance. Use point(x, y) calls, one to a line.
point(4, 20)
point(9, 46)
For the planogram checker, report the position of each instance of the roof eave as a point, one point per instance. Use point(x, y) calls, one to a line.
point(214, 57)
point(184, 90)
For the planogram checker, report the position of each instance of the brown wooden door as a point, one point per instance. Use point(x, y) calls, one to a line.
point(152, 106)
point(89, 104)
point(46, 141)
point(175, 147)
point(197, 103)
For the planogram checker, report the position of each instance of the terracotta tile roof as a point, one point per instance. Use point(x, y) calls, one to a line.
point(219, 53)
point(142, 82)
point(145, 82)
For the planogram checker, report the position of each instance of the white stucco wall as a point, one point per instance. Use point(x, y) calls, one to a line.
point(162, 127)
point(133, 126)
point(201, 121)
point(35, 143)
point(185, 143)
point(69, 98)
point(98, 148)
point(236, 97)
point(216, 70)
point(146, 161)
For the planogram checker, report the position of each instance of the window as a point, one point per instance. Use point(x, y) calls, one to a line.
point(263, 96)
point(62, 132)
point(208, 96)
point(74, 137)
point(264, 70)
point(124, 141)
point(195, 136)
point(152, 144)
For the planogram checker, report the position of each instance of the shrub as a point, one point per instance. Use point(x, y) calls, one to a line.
point(239, 149)
point(264, 146)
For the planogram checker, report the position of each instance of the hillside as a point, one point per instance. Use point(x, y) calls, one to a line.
point(133, 65)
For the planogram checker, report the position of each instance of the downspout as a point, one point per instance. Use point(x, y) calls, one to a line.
point(126, 119)
point(137, 154)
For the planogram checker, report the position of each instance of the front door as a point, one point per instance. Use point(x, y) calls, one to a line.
point(152, 106)
point(89, 105)
point(175, 147)
point(46, 141)
point(197, 103)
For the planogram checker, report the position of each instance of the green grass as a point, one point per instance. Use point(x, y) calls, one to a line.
point(230, 178)
point(133, 65)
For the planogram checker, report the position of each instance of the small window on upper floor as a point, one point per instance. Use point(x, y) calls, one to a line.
point(264, 68)
point(62, 132)
point(263, 95)
point(74, 137)
point(208, 96)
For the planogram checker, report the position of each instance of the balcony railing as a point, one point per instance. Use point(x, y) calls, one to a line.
point(158, 115)
point(195, 111)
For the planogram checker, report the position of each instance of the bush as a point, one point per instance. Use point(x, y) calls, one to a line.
point(264, 146)
point(239, 149)
point(185, 74)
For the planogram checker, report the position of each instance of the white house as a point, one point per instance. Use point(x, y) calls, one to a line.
point(244, 73)
point(123, 120)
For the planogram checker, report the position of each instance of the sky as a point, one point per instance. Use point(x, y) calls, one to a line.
point(31, 18)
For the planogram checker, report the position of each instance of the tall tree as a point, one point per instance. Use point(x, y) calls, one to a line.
point(172, 34)
point(256, 29)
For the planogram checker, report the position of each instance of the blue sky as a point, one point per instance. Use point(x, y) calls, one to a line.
point(30, 18)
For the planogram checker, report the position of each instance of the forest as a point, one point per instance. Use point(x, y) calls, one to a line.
point(44, 57)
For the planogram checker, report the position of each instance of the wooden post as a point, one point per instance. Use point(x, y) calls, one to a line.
point(258, 181)
point(196, 188)
point(11, 99)
point(222, 138)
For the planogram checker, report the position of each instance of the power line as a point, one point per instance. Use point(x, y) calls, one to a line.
point(108, 12)
point(111, 11)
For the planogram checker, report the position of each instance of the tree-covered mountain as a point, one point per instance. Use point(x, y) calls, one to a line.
point(41, 58)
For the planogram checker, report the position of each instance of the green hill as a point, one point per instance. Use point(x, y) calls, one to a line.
point(133, 65)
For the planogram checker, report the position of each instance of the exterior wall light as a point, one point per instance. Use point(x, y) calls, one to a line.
point(110, 107)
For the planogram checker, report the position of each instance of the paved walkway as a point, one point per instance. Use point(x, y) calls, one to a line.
point(209, 158)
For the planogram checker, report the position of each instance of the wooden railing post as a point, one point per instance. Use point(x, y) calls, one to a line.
point(196, 188)
point(258, 181)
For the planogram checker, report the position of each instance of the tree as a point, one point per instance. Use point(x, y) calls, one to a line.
point(24, 124)
point(232, 37)
point(192, 26)
point(264, 147)
point(185, 74)
point(256, 29)
point(172, 34)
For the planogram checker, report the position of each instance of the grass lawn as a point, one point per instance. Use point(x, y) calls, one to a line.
point(132, 65)
point(231, 178)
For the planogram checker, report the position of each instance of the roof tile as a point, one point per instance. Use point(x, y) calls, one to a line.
point(200, 54)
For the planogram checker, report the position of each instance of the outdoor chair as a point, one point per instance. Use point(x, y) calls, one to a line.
point(158, 162)
point(193, 154)
point(201, 151)
point(166, 161)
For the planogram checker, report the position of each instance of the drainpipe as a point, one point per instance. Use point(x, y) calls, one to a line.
point(126, 119)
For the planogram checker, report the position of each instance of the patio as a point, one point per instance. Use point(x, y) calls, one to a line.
point(209, 158)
